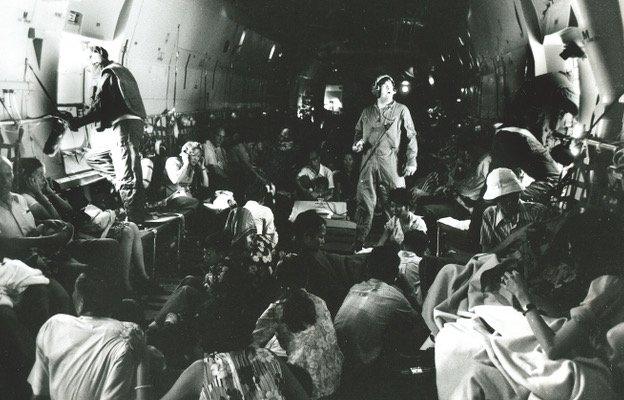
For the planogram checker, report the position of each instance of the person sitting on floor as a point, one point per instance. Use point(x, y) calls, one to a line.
point(91, 356)
point(94, 248)
point(215, 159)
point(27, 300)
point(517, 149)
point(20, 237)
point(246, 253)
point(232, 366)
point(243, 162)
point(345, 181)
point(412, 256)
point(328, 276)
point(496, 352)
point(419, 268)
point(542, 356)
point(509, 213)
point(187, 177)
point(308, 179)
point(282, 161)
point(376, 325)
point(153, 172)
point(300, 325)
point(402, 219)
point(461, 197)
point(238, 224)
point(262, 215)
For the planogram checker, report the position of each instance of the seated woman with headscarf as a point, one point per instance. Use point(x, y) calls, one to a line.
point(233, 367)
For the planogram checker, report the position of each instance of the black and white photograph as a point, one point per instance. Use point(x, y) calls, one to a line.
point(311, 199)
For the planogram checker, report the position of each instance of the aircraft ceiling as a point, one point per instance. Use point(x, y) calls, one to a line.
point(353, 26)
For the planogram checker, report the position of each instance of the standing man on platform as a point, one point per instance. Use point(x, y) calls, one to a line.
point(378, 136)
point(117, 103)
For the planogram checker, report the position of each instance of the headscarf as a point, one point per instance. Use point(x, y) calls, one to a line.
point(239, 224)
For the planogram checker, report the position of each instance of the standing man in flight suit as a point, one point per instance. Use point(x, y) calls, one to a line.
point(378, 135)
point(117, 103)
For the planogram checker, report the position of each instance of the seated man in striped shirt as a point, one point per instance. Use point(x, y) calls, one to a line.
point(509, 213)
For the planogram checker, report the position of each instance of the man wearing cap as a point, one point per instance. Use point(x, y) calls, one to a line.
point(377, 137)
point(509, 213)
point(117, 103)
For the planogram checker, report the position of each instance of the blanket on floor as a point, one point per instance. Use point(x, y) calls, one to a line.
point(459, 288)
point(472, 362)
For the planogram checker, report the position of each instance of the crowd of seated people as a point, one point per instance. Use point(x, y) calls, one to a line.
point(94, 229)
point(275, 315)
point(523, 349)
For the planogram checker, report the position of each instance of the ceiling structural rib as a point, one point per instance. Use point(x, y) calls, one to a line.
point(312, 24)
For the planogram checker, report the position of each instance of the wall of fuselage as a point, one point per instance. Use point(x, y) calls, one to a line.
point(190, 50)
point(218, 62)
point(511, 37)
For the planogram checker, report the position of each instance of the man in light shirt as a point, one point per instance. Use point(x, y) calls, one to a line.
point(311, 179)
point(262, 215)
point(215, 159)
point(376, 324)
point(91, 356)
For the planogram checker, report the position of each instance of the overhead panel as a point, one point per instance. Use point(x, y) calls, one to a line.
point(95, 19)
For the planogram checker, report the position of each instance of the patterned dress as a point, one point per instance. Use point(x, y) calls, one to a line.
point(250, 374)
point(314, 349)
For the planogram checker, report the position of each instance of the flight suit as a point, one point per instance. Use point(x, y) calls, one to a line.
point(380, 129)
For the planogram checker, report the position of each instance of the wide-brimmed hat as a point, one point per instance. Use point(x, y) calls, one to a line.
point(501, 181)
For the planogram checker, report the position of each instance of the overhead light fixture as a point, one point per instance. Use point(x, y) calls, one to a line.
point(242, 38)
point(576, 149)
point(578, 131)
point(431, 80)
point(405, 87)
point(272, 52)
point(460, 40)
